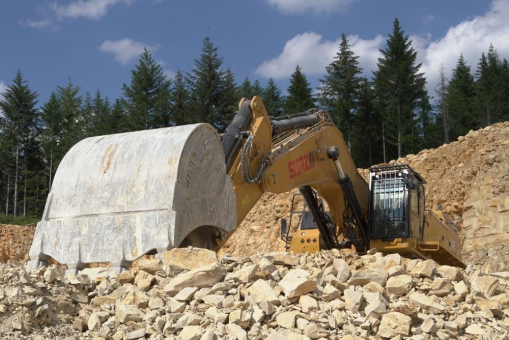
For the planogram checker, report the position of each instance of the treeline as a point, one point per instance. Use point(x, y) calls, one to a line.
point(383, 117)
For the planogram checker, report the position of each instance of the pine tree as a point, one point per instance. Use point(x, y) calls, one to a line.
point(117, 119)
point(70, 104)
point(460, 97)
point(338, 92)
point(489, 88)
point(400, 88)
point(229, 101)
point(53, 133)
point(205, 83)
point(180, 109)
point(20, 127)
point(257, 89)
point(504, 78)
point(442, 104)
point(246, 89)
point(365, 129)
point(299, 97)
point(102, 111)
point(272, 98)
point(147, 99)
point(87, 117)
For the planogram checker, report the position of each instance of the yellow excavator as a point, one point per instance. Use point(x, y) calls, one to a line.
point(118, 197)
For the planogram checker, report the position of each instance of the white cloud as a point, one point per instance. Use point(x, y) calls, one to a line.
point(40, 24)
point(311, 52)
point(301, 6)
point(125, 49)
point(3, 88)
point(470, 37)
point(170, 74)
point(89, 9)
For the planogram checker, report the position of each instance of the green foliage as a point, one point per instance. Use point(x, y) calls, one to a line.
point(205, 82)
point(180, 101)
point(400, 89)
point(228, 101)
point(17, 220)
point(19, 143)
point(365, 128)
point(299, 97)
point(246, 89)
point(147, 99)
point(340, 87)
point(272, 98)
point(460, 100)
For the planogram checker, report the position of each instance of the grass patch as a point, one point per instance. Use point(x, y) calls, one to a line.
point(18, 220)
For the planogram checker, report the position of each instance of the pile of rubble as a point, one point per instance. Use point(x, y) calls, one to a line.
point(189, 294)
point(15, 241)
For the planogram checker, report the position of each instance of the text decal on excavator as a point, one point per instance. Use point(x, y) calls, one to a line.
point(301, 164)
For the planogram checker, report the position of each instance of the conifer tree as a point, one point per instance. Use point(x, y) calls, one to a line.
point(102, 111)
point(87, 117)
point(460, 97)
point(246, 89)
point(339, 88)
point(70, 104)
point(365, 129)
point(489, 88)
point(272, 98)
point(180, 109)
point(257, 89)
point(229, 101)
point(443, 104)
point(19, 125)
point(206, 82)
point(117, 119)
point(400, 88)
point(299, 97)
point(147, 99)
point(53, 133)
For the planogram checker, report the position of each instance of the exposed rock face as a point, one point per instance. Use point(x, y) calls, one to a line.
point(301, 297)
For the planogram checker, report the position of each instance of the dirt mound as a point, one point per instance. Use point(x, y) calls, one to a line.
point(15, 241)
point(468, 178)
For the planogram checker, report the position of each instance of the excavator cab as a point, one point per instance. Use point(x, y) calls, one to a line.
point(399, 221)
point(396, 202)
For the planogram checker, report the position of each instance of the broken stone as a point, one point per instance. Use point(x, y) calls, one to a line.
point(296, 283)
point(200, 277)
point(286, 320)
point(189, 258)
point(399, 285)
point(394, 324)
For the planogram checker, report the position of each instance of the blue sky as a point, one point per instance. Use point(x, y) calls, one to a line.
point(97, 42)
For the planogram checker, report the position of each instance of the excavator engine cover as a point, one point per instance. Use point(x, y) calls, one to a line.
point(117, 197)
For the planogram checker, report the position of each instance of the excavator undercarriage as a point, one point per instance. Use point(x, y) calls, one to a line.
point(117, 197)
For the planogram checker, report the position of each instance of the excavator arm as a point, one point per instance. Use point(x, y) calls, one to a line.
point(305, 151)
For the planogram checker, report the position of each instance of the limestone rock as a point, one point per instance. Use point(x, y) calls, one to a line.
point(399, 285)
point(150, 265)
point(394, 324)
point(261, 291)
point(286, 320)
point(126, 313)
point(200, 277)
point(296, 283)
point(189, 258)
